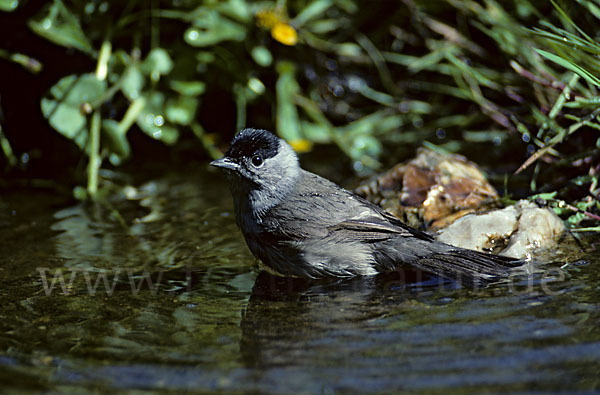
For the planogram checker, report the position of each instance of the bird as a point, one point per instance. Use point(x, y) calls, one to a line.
point(302, 225)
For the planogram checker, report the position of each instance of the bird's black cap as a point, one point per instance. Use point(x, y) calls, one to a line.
point(249, 142)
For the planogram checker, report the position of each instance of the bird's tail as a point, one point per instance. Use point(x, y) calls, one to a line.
point(472, 268)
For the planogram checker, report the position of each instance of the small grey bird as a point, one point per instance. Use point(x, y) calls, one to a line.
point(303, 225)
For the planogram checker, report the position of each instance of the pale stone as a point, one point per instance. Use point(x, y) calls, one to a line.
point(477, 232)
point(523, 228)
point(539, 228)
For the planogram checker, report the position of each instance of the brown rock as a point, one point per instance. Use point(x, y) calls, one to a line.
point(432, 190)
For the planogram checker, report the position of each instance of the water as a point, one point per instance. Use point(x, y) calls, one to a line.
point(160, 294)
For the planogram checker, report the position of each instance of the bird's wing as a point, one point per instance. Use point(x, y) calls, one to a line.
point(376, 229)
point(312, 212)
point(374, 219)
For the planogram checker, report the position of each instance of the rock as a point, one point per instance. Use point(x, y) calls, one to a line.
point(539, 228)
point(484, 232)
point(433, 189)
point(436, 189)
point(517, 231)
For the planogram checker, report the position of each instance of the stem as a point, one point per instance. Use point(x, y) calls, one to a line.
point(564, 96)
point(94, 153)
point(103, 59)
point(592, 229)
point(586, 213)
point(133, 111)
point(559, 138)
point(240, 105)
point(154, 26)
point(7, 149)
point(30, 64)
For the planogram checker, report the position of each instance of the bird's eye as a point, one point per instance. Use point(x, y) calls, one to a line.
point(257, 161)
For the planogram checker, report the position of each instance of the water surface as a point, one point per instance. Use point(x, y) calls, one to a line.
point(160, 294)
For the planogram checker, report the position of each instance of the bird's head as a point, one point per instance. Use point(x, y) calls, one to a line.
point(261, 166)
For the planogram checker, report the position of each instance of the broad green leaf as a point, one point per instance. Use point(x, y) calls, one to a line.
point(67, 120)
point(151, 119)
point(210, 28)
point(61, 27)
point(115, 140)
point(188, 88)
point(157, 61)
point(63, 105)
point(262, 56)
point(76, 90)
point(133, 82)
point(181, 110)
point(169, 134)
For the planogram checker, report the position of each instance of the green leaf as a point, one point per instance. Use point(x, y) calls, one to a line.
point(188, 88)
point(133, 82)
point(566, 39)
point(181, 110)
point(158, 61)
point(325, 26)
point(377, 122)
point(593, 9)
point(8, 5)
point(151, 119)
point(314, 9)
point(210, 28)
point(256, 87)
point(545, 196)
point(30, 64)
point(236, 9)
point(365, 145)
point(63, 105)
point(379, 97)
point(262, 56)
point(115, 140)
point(315, 132)
point(169, 134)
point(61, 27)
point(348, 49)
point(67, 120)
point(592, 79)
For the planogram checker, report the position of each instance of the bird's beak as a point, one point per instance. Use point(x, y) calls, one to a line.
point(225, 163)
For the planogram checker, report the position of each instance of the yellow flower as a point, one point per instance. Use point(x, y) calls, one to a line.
point(301, 145)
point(276, 20)
point(284, 33)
